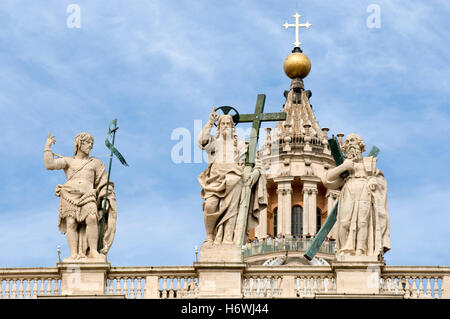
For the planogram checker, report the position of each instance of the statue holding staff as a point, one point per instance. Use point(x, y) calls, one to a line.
point(82, 198)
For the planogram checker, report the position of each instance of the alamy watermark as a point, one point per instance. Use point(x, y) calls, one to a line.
point(187, 149)
point(374, 19)
point(74, 18)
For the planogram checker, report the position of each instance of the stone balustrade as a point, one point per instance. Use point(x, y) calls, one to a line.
point(261, 286)
point(288, 281)
point(153, 282)
point(28, 283)
point(181, 282)
point(418, 282)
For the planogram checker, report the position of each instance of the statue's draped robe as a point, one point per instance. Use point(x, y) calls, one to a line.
point(356, 200)
point(223, 179)
point(72, 201)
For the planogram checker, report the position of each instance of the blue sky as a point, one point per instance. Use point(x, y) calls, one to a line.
point(160, 65)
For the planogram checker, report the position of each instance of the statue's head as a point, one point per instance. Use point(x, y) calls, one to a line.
point(225, 126)
point(354, 147)
point(83, 142)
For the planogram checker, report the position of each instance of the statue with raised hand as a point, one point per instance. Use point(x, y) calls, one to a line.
point(222, 181)
point(81, 199)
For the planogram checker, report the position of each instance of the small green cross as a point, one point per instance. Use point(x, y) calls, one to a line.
point(256, 118)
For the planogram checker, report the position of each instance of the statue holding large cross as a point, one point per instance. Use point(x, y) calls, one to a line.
point(234, 184)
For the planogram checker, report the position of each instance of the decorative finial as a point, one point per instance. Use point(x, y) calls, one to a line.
point(58, 250)
point(297, 65)
point(297, 26)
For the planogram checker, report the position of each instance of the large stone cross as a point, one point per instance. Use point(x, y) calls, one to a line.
point(256, 118)
point(297, 26)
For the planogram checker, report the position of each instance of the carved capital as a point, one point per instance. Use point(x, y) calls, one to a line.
point(310, 190)
point(333, 194)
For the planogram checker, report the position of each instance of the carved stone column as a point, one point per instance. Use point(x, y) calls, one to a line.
point(312, 210)
point(261, 229)
point(287, 217)
point(284, 191)
point(305, 192)
point(310, 204)
point(309, 209)
point(332, 197)
point(279, 220)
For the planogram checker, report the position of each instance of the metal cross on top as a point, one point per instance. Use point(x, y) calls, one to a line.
point(297, 26)
point(257, 118)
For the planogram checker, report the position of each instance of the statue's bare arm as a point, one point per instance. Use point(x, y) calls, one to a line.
point(333, 177)
point(205, 134)
point(50, 162)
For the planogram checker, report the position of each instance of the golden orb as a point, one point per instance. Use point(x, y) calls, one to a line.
point(297, 64)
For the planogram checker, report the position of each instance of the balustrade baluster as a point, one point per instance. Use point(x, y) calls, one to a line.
point(413, 287)
point(408, 287)
point(14, 289)
point(333, 284)
point(34, 291)
point(109, 283)
point(279, 281)
point(382, 284)
point(307, 287)
point(164, 288)
point(396, 285)
point(264, 287)
point(428, 282)
point(190, 287)
point(45, 289)
point(326, 284)
point(186, 287)
point(178, 291)
point(421, 290)
point(125, 286)
point(386, 284)
point(251, 283)
point(171, 291)
point(7, 289)
point(258, 286)
point(321, 284)
point(132, 288)
point(436, 288)
point(300, 287)
point(297, 286)
point(51, 289)
point(40, 286)
point(21, 288)
point(139, 288)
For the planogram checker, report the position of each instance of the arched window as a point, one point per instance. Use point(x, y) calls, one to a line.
point(319, 219)
point(275, 222)
point(297, 221)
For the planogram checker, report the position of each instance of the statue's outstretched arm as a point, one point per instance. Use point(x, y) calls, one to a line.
point(205, 134)
point(50, 162)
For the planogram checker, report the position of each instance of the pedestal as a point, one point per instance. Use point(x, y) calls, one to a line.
point(83, 278)
point(357, 275)
point(220, 253)
point(219, 280)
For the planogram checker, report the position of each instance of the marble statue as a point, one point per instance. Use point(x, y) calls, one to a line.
point(81, 200)
point(363, 218)
point(223, 181)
